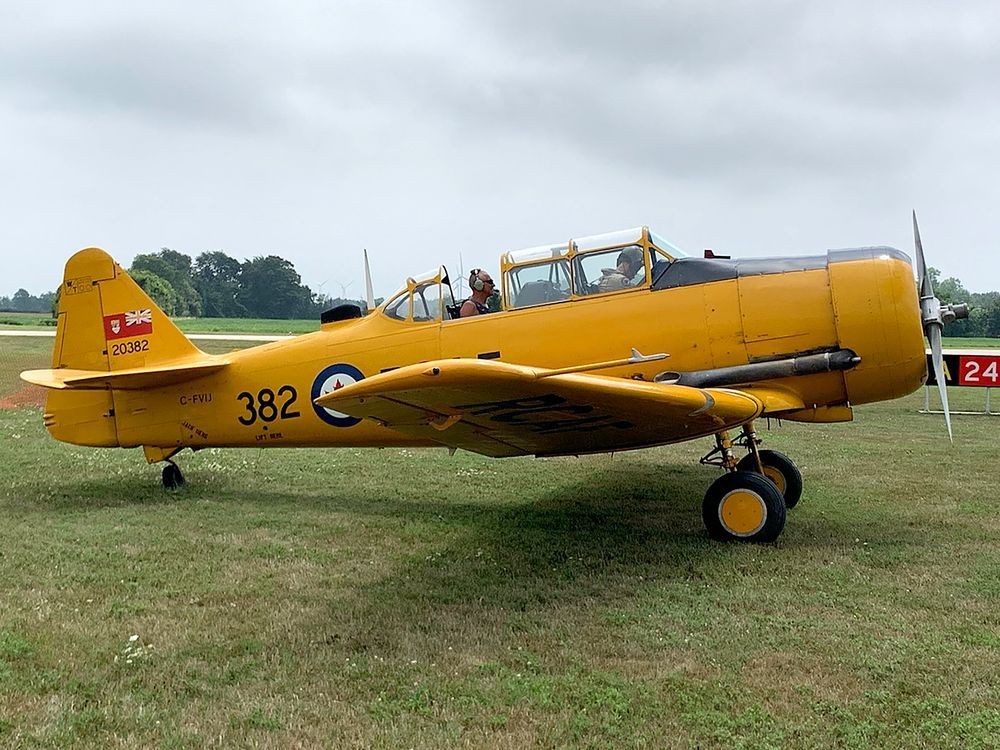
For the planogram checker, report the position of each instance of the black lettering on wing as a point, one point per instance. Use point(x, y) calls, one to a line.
point(517, 417)
point(535, 402)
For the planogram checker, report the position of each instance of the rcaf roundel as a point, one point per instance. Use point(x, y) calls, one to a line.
point(330, 379)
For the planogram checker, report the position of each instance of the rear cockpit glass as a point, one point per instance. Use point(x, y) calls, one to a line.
point(631, 236)
point(610, 270)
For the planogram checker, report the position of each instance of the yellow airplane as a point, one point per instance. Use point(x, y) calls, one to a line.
point(568, 366)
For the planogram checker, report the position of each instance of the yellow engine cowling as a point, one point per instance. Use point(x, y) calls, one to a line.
point(877, 315)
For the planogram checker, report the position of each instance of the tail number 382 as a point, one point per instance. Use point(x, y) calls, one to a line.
point(267, 406)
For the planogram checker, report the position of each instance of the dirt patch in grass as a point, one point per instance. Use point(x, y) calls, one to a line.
point(29, 395)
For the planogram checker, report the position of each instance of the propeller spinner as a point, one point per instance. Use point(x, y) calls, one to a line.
point(934, 315)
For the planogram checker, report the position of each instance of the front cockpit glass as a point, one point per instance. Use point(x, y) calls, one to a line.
point(427, 302)
point(539, 283)
point(610, 270)
point(400, 308)
point(422, 299)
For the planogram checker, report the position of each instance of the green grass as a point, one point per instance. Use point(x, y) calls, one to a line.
point(246, 325)
point(16, 320)
point(952, 342)
point(404, 598)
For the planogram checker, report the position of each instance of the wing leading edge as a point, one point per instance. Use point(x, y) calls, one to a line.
point(500, 409)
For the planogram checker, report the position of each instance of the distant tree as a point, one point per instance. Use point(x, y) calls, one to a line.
point(217, 279)
point(159, 289)
point(951, 290)
point(271, 288)
point(174, 268)
point(24, 301)
point(21, 301)
point(991, 322)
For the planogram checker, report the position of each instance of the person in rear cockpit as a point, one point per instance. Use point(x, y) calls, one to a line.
point(620, 277)
point(482, 287)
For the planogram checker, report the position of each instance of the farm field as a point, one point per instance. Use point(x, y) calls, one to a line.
point(404, 598)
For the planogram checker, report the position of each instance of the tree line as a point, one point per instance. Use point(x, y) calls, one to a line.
point(22, 301)
point(214, 285)
point(984, 308)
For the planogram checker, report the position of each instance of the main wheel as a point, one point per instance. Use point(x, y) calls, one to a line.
point(744, 506)
point(172, 477)
point(781, 470)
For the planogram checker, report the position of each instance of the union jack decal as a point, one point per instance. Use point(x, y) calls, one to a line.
point(127, 324)
point(138, 317)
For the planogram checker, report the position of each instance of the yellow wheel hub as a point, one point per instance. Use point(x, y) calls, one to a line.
point(742, 512)
point(775, 476)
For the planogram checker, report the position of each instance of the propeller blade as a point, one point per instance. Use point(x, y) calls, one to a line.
point(934, 336)
point(926, 290)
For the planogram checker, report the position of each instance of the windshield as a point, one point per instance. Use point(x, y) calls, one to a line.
point(666, 245)
point(426, 297)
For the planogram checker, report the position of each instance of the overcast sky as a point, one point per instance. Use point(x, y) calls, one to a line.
point(427, 130)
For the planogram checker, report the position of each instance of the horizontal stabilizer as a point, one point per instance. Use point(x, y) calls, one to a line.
point(128, 380)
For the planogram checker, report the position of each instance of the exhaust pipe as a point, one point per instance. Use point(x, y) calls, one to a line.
point(807, 364)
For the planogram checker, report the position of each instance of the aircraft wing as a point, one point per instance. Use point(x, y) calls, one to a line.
point(501, 409)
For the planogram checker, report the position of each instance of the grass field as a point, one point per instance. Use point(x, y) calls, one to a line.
point(34, 321)
point(398, 598)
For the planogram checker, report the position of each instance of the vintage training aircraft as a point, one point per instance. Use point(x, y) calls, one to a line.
point(564, 368)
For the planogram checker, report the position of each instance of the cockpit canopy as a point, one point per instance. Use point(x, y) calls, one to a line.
point(600, 264)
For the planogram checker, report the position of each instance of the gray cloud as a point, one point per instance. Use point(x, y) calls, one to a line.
point(421, 131)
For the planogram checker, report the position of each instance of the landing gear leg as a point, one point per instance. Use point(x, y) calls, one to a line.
point(173, 479)
point(722, 455)
point(774, 465)
point(742, 505)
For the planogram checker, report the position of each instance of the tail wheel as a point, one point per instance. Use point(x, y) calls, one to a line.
point(173, 479)
point(781, 470)
point(744, 506)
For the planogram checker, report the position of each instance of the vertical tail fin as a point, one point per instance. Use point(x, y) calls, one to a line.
point(107, 322)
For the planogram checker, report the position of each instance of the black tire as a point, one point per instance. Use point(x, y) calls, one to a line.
point(172, 477)
point(744, 506)
point(781, 470)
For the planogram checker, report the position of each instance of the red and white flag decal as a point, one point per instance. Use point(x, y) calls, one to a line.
point(128, 324)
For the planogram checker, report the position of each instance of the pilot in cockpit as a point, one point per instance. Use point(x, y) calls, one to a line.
point(621, 276)
point(482, 286)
